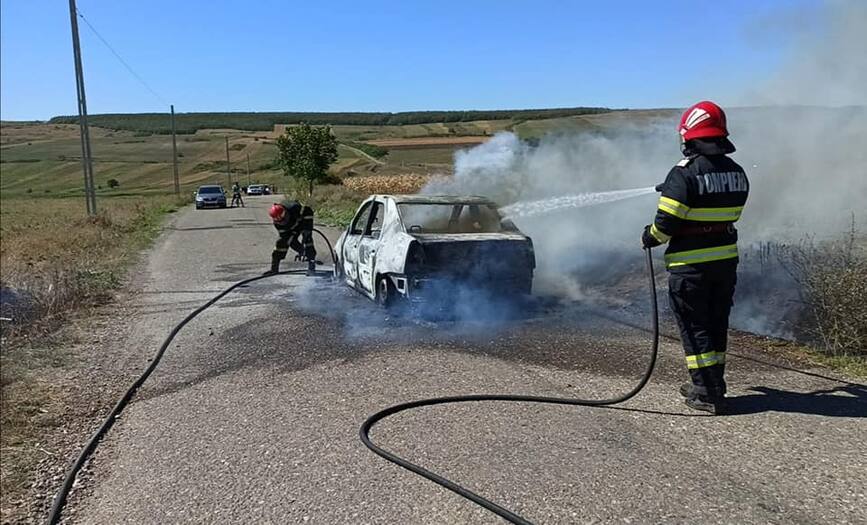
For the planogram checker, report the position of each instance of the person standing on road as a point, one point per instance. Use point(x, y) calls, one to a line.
point(701, 199)
point(236, 195)
point(293, 220)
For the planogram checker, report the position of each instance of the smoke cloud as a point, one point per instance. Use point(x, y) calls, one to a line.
point(806, 160)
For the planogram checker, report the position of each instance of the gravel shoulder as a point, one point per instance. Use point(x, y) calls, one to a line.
point(253, 414)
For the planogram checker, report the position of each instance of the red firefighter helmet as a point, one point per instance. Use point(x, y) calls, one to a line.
point(277, 212)
point(703, 120)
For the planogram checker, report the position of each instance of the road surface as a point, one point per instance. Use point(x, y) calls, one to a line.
point(253, 414)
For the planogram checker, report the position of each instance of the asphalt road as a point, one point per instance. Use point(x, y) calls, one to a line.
point(253, 415)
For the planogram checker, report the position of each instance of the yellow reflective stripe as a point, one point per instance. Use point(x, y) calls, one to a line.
point(282, 250)
point(658, 235)
point(673, 207)
point(715, 214)
point(717, 253)
point(705, 360)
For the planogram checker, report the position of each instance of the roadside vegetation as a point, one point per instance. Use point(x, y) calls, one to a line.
point(832, 278)
point(56, 259)
point(56, 264)
point(333, 204)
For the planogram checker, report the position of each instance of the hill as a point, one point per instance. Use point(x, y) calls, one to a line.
point(44, 159)
point(191, 122)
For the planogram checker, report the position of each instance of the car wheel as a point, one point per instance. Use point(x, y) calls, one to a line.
point(385, 292)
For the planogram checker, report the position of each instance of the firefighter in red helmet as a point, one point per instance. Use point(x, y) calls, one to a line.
point(292, 220)
point(701, 199)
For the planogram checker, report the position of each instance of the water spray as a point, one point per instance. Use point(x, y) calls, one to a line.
point(580, 200)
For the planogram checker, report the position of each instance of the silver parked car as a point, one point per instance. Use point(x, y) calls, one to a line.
point(256, 189)
point(210, 196)
point(412, 246)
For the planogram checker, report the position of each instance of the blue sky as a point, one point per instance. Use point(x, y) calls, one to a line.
point(334, 55)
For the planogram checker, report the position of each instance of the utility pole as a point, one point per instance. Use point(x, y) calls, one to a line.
point(248, 170)
point(86, 157)
point(175, 154)
point(228, 171)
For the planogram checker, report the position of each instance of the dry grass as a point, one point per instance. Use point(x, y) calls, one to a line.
point(55, 261)
point(388, 184)
point(833, 280)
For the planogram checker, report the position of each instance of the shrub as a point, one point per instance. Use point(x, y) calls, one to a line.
point(113, 183)
point(373, 150)
point(832, 276)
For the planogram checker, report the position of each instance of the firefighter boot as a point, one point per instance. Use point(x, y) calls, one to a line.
point(311, 268)
point(705, 404)
point(686, 389)
point(275, 267)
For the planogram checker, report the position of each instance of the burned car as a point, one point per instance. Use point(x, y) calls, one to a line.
point(411, 247)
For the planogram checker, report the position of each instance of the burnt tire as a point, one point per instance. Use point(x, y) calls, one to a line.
point(386, 294)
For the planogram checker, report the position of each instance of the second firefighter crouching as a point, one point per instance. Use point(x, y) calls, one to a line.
point(293, 221)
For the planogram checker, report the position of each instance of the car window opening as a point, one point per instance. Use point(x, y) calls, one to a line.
point(361, 219)
point(424, 218)
point(375, 224)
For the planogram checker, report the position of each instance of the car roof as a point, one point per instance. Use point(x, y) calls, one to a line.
point(210, 186)
point(438, 199)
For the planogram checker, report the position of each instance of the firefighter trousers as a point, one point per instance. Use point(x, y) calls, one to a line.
point(701, 298)
point(305, 247)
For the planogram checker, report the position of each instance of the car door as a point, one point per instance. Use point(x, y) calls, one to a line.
point(349, 255)
point(368, 245)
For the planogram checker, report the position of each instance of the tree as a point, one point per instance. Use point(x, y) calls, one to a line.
point(305, 153)
point(113, 183)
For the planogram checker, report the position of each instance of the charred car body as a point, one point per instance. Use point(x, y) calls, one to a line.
point(416, 246)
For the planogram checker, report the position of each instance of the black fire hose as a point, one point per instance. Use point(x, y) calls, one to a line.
point(90, 446)
point(330, 248)
point(468, 494)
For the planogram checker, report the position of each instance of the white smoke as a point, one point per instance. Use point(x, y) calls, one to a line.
point(807, 164)
point(572, 239)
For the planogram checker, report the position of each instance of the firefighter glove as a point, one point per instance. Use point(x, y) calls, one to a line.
point(648, 240)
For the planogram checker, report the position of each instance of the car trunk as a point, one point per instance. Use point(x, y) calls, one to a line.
point(483, 257)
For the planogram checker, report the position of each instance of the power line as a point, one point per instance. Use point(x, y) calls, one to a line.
point(120, 58)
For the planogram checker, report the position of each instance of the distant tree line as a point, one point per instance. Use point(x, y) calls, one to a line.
point(191, 122)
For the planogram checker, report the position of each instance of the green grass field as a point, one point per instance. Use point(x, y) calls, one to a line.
point(43, 159)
